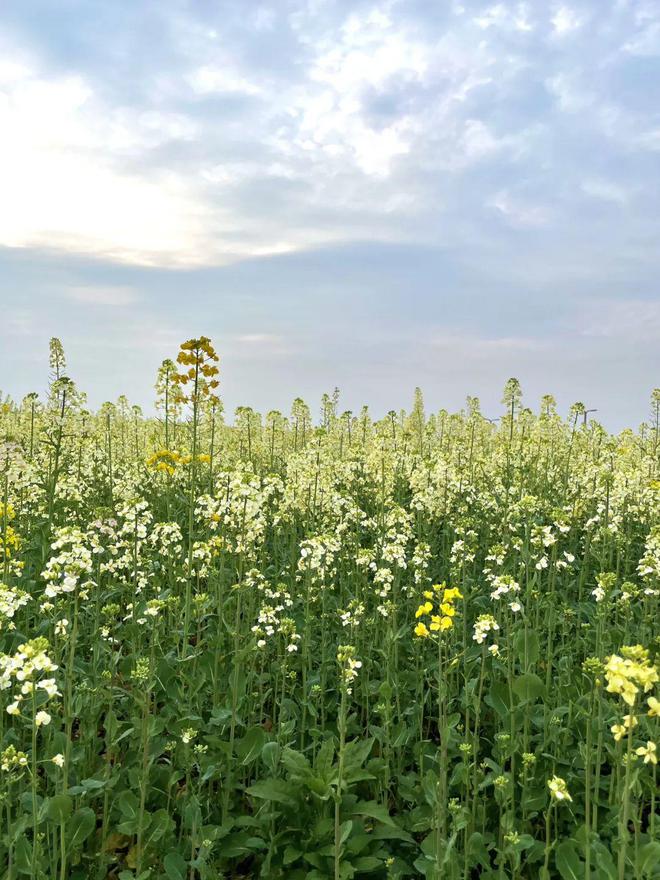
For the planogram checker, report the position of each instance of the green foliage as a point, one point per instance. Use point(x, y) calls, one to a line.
point(229, 684)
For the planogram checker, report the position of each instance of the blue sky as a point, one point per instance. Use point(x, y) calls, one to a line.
point(374, 195)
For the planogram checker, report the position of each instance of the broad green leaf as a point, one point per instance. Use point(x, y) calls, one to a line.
point(568, 862)
point(81, 825)
point(59, 808)
point(128, 804)
point(160, 822)
point(374, 811)
point(649, 859)
point(366, 864)
point(528, 687)
point(175, 866)
point(273, 790)
point(249, 747)
point(270, 755)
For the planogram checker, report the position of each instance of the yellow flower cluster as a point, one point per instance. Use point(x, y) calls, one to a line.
point(625, 675)
point(442, 621)
point(200, 357)
point(165, 460)
point(10, 539)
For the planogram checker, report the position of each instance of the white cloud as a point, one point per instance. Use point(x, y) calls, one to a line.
point(102, 296)
point(606, 190)
point(493, 16)
point(565, 20)
point(519, 213)
point(646, 42)
point(368, 52)
point(62, 186)
point(483, 347)
point(648, 140)
point(570, 94)
point(221, 79)
point(633, 319)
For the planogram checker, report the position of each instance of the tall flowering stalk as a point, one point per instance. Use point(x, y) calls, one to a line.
point(196, 385)
point(625, 676)
point(441, 622)
point(349, 667)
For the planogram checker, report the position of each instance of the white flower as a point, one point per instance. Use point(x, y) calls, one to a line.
point(48, 685)
point(14, 708)
point(598, 594)
point(59, 760)
point(515, 607)
point(42, 718)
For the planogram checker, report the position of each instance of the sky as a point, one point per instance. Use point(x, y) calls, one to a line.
point(368, 195)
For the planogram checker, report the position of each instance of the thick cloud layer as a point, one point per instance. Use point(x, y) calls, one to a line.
point(374, 195)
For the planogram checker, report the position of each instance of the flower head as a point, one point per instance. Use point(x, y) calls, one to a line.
point(558, 789)
point(648, 752)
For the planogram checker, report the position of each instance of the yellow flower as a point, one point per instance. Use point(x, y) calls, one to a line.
point(654, 707)
point(622, 673)
point(647, 676)
point(428, 594)
point(426, 608)
point(421, 631)
point(558, 789)
point(451, 593)
point(447, 609)
point(619, 730)
point(439, 624)
point(648, 752)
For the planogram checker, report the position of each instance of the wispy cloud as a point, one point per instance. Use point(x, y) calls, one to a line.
point(323, 184)
point(103, 296)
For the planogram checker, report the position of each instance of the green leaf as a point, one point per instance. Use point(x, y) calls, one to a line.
point(498, 699)
point(128, 804)
point(270, 755)
point(325, 756)
point(356, 753)
point(291, 854)
point(82, 823)
point(296, 763)
point(648, 859)
point(364, 864)
point(374, 811)
point(345, 831)
point(59, 808)
point(528, 687)
point(532, 647)
point(175, 866)
point(249, 747)
point(568, 862)
point(477, 851)
point(160, 822)
point(23, 855)
point(273, 790)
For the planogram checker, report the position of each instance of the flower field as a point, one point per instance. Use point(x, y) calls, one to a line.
point(324, 645)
